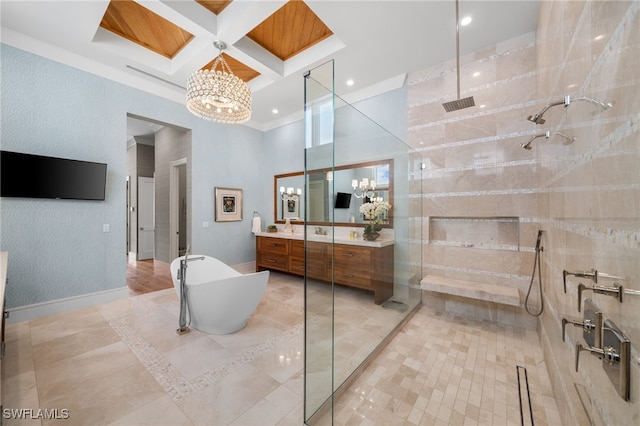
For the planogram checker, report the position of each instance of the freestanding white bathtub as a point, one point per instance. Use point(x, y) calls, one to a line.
point(220, 299)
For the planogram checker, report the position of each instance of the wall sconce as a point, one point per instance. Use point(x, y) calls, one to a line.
point(367, 188)
point(289, 194)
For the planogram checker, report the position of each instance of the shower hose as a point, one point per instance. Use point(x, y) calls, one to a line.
point(536, 263)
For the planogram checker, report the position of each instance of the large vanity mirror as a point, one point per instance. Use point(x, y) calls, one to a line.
point(335, 195)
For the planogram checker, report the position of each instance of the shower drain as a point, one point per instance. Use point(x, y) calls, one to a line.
point(526, 411)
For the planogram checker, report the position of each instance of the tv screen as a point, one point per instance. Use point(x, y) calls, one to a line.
point(343, 200)
point(37, 176)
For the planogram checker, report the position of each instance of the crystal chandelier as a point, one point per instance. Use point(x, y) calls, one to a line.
point(217, 94)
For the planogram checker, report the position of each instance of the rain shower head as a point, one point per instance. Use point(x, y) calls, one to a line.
point(458, 103)
point(566, 102)
point(568, 139)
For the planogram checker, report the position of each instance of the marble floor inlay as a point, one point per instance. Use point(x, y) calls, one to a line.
point(122, 363)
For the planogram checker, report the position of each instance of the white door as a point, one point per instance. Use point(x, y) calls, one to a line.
point(146, 218)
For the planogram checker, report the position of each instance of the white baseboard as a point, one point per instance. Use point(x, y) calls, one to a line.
point(38, 310)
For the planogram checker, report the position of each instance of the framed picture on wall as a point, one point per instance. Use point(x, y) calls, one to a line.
point(228, 204)
point(291, 208)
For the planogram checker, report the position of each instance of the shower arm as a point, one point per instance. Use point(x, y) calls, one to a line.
point(566, 102)
point(547, 135)
point(538, 117)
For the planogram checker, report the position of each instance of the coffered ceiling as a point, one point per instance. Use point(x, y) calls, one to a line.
point(155, 44)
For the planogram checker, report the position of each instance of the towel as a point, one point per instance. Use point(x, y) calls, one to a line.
point(256, 225)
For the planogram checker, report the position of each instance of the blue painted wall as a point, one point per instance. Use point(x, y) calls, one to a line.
point(56, 247)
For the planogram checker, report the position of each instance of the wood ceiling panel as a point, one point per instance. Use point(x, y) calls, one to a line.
point(240, 70)
point(128, 19)
point(214, 6)
point(290, 30)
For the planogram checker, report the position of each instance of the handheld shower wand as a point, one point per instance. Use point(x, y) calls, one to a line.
point(536, 262)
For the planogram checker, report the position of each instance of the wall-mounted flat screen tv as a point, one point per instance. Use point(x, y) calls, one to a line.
point(36, 176)
point(343, 200)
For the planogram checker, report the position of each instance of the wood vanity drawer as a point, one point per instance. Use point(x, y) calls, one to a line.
point(297, 248)
point(352, 255)
point(296, 265)
point(353, 276)
point(273, 245)
point(316, 270)
point(274, 261)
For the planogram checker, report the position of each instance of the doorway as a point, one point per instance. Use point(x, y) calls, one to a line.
point(162, 152)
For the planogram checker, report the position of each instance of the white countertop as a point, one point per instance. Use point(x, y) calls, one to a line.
point(328, 239)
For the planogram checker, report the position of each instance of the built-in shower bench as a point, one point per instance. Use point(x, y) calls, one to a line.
point(472, 289)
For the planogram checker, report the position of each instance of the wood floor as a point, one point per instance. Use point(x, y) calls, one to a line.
point(145, 276)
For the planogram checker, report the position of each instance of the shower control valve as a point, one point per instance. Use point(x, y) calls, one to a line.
point(616, 290)
point(608, 354)
point(587, 325)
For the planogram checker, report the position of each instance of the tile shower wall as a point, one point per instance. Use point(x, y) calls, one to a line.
point(476, 169)
point(592, 207)
point(584, 195)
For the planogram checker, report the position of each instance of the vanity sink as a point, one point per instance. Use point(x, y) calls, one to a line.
point(319, 237)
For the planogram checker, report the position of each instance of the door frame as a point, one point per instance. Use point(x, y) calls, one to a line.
point(174, 206)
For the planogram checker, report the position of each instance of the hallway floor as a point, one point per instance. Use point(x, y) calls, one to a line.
point(122, 363)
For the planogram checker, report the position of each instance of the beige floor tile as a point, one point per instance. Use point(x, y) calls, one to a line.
point(20, 391)
point(284, 361)
point(160, 412)
point(85, 367)
point(122, 363)
point(196, 358)
point(227, 399)
point(62, 347)
point(103, 399)
point(65, 324)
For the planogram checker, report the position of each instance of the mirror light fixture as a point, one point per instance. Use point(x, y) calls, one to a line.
point(289, 195)
point(367, 188)
point(217, 94)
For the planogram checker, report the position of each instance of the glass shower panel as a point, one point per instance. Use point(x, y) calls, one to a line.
point(319, 124)
point(347, 319)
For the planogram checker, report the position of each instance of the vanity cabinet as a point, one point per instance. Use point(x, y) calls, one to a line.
point(273, 253)
point(366, 267)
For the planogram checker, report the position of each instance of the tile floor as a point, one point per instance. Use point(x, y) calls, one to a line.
point(121, 363)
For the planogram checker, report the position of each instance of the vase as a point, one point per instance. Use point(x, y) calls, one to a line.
point(371, 236)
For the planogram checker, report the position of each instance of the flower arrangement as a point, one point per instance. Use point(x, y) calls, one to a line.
point(374, 211)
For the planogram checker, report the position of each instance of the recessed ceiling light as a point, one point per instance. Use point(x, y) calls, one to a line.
point(475, 74)
point(349, 82)
point(598, 38)
point(465, 21)
point(275, 110)
point(482, 106)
